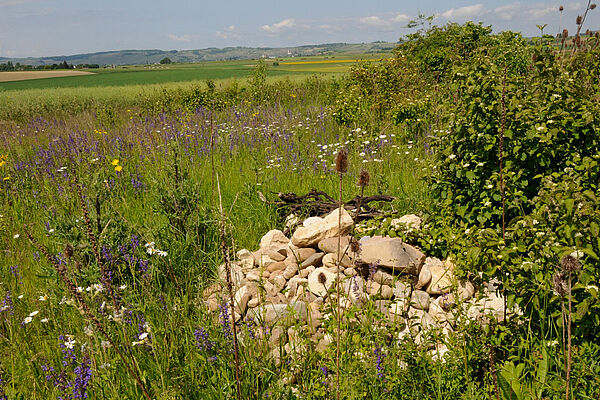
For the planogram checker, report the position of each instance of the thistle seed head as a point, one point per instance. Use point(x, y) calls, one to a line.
point(559, 282)
point(364, 178)
point(341, 161)
point(570, 264)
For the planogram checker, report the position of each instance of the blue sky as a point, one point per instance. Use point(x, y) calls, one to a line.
point(63, 27)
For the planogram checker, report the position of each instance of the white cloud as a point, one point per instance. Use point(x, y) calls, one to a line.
point(182, 38)
point(228, 33)
point(374, 20)
point(401, 18)
point(284, 25)
point(465, 12)
point(535, 11)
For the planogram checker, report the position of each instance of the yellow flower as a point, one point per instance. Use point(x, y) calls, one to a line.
point(115, 162)
point(2, 163)
point(7, 178)
point(118, 168)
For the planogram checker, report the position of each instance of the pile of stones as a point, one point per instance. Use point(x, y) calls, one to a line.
point(292, 282)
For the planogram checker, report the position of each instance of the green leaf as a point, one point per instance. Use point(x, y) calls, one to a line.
point(542, 372)
point(507, 391)
point(595, 229)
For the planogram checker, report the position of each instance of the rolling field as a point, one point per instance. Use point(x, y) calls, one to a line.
point(28, 75)
point(161, 74)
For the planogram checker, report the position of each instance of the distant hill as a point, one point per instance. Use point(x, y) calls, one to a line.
point(136, 57)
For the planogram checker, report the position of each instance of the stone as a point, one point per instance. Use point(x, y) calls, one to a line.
point(330, 245)
point(350, 272)
point(420, 320)
point(309, 236)
point(442, 279)
point(291, 221)
point(298, 256)
point(390, 253)
point(401, 290)
point(278, 337)
point(246, 260)
point(276, 266)
point(419, 300)
point(271, 314)
point(279, 282)
point(293, 283)
point(447, 301)
point(212, 304)
point(241, 298)
point(237, 276)
point(262, 260)
point(397, 309)
point(354, 288)
point(373, 288)
point(311, 220)
point(315, 316)
point(253, 276)
point(466, 290)
point(383, 277)
point(314, 260)
point(324, 342)
point(386, 292)
point(410, 221)
point(304, 273)
point(424, 277)
point(330, 260)
point(437, 312)
point(290, 270)
point(274, 240)
point(253, 302)
point(316, 278)
point(275, 256)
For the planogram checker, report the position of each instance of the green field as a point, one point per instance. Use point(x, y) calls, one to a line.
point(161, 74)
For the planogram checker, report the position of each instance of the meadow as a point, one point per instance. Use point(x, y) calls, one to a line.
point(111, 230)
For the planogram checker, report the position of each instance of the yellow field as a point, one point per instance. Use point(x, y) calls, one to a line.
point(317, 62)
point(26, 75)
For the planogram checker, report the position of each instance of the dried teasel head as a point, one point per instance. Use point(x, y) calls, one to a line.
point(588, 32)
point(592, 6)
point(364, 178)
point(322, 278)
point(565, 33)
point(579, 20)
point(354, 246)
point(570, 264)
point(341, 161)
point(559, 283)
point(561, 8)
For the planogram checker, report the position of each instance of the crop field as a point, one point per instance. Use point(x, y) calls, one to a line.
point(206, 231)
point(27, 75)
point(161, 74)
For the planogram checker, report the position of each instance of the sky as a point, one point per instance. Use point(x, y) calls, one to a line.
point(35, 28)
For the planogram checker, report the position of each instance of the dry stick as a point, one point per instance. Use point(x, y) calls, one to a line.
point(225, 252)
point(501, 156)
point(88, 312)
point(569, 342)
point(92, 237)
point(341, 166)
